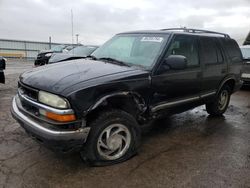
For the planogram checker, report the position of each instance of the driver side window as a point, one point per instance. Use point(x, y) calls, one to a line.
point(186, 46)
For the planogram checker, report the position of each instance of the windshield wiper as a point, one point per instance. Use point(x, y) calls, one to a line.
point(112, 60)
point(91, 56)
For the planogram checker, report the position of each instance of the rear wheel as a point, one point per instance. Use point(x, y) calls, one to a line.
point(114, 137)
point(220, 104)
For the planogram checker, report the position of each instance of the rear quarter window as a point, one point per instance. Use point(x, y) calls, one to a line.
point(232, 50)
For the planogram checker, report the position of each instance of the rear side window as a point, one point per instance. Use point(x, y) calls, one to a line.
point(210, 53)
point(233, 50)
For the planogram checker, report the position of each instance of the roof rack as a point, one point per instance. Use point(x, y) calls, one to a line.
point(189, 30)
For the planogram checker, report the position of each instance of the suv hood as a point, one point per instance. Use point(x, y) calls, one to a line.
point(55, 78)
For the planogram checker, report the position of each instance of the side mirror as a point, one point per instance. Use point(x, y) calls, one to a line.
point(2, 64)
point(176, 62)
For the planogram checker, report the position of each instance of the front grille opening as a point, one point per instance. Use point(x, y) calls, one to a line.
point(29, 92)
point(29, 108)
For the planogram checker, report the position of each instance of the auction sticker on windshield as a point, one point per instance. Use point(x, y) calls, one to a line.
point(152, 39)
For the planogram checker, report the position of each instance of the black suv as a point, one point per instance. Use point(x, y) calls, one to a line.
point(98, 105)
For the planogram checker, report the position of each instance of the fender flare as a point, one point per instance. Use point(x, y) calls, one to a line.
point(138, 99)
point(224, 81)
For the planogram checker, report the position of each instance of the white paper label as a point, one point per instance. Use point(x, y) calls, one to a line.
point(152, 39)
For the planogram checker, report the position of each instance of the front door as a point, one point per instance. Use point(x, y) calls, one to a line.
point(173, 88)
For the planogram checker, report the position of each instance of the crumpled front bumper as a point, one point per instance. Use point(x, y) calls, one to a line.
point(57, 139)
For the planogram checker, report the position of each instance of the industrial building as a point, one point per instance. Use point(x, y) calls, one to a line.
point(22, 48)
point(29, 49)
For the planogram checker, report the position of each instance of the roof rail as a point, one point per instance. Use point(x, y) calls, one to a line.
point(189, 30)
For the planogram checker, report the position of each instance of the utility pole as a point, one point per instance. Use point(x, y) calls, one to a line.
point(77, 35)
point(72, 27)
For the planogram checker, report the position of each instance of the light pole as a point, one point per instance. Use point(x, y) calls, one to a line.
point(50, 42)
point(72, 27)
point(77, 35)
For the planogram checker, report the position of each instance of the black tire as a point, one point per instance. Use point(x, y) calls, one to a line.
point(216, 108)
point(91, 152)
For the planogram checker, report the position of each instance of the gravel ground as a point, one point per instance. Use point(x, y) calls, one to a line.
point(185, 150)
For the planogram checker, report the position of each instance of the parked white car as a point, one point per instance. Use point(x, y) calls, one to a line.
point(246, 67)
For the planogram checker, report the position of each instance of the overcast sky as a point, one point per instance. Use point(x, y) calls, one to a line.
point(97, 20)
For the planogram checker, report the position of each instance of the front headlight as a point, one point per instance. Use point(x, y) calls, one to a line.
point(48, 54)
point(52, 100)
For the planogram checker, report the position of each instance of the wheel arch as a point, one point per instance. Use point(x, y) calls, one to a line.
point(230, 81)
point(131, 102)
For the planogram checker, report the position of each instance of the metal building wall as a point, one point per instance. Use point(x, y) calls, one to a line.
point(23, 49)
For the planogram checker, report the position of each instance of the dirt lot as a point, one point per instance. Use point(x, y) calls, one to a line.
point(186, 150)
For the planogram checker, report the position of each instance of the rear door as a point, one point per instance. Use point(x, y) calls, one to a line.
point(214, 65)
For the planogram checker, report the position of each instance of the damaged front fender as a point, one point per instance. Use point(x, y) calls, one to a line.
point(137, 98)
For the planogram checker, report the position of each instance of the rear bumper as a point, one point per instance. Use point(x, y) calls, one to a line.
point(246, 83)
point(56, 139)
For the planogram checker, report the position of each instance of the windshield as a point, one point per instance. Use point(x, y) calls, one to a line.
point(58, 48)
point(82, 50)
point(133, 49)
point(245, 53)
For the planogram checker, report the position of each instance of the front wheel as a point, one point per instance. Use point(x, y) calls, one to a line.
point(220, 104)
point(114, 137)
